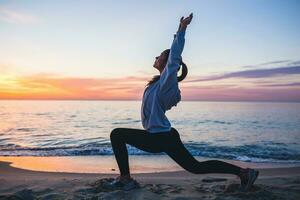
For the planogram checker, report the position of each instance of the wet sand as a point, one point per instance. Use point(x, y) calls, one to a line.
point(273, 183)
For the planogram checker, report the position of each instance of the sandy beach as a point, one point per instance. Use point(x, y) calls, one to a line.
point(273, 183)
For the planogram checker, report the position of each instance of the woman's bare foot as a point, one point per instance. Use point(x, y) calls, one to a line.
point(248, 177)
point(124, 182)
point(124, 178)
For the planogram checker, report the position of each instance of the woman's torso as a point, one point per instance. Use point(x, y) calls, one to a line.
point(154, 106)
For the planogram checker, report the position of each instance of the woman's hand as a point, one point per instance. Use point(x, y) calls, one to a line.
point(185, 21)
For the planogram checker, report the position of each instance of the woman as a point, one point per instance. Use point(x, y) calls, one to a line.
point(161, 94)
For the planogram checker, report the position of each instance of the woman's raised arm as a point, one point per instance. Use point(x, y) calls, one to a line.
point(168, 77)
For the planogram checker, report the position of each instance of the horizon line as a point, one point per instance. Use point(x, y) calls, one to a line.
point(258, 101)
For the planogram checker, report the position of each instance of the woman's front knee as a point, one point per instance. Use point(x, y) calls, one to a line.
point(115, 133)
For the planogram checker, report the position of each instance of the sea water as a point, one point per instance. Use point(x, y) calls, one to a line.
point(245, 131)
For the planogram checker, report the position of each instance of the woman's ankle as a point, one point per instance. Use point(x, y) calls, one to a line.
point(125, 177)
point(243, 172)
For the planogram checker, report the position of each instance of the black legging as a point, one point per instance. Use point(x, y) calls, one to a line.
point(168, 142)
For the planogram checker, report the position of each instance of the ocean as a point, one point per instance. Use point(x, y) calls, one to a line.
point(243, 131)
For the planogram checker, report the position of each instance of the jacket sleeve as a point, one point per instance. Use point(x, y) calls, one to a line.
point(169, 92)
point(168, 78)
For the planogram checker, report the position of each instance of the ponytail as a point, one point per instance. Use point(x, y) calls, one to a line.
point(184, 72)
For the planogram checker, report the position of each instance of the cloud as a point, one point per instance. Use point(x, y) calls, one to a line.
point(295, 62)
point(274, 62)
point(56, 86)
point(296, 84)
point(254, 73)
point(13, 16)
point(268, 63)
point(47, 86)
point(219, 93)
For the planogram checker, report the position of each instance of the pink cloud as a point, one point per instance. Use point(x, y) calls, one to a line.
point(43, 86)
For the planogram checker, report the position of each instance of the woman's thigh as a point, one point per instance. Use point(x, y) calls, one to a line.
point(140, 139)
point(177, 151)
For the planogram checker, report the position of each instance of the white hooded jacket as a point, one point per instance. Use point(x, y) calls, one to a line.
point(164, 93)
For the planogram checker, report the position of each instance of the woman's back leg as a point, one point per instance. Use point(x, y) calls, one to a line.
point(183, 157)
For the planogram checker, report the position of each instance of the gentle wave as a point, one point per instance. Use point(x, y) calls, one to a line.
point(248, 153)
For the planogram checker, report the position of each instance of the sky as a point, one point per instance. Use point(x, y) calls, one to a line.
point(235, 50)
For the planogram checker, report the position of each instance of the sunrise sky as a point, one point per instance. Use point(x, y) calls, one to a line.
point(235, 50)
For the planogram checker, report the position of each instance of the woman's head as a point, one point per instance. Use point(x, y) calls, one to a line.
point(160, 64)
point(161, 60)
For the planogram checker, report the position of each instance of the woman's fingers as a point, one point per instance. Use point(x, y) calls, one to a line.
point(191, 15)
point(186, 20)
point(189, 18)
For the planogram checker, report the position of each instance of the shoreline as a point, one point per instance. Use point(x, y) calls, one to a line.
point(7, 169)
point(27, 184)
point(107, 163)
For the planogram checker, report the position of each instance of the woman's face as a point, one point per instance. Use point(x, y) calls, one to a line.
point(160, 61)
